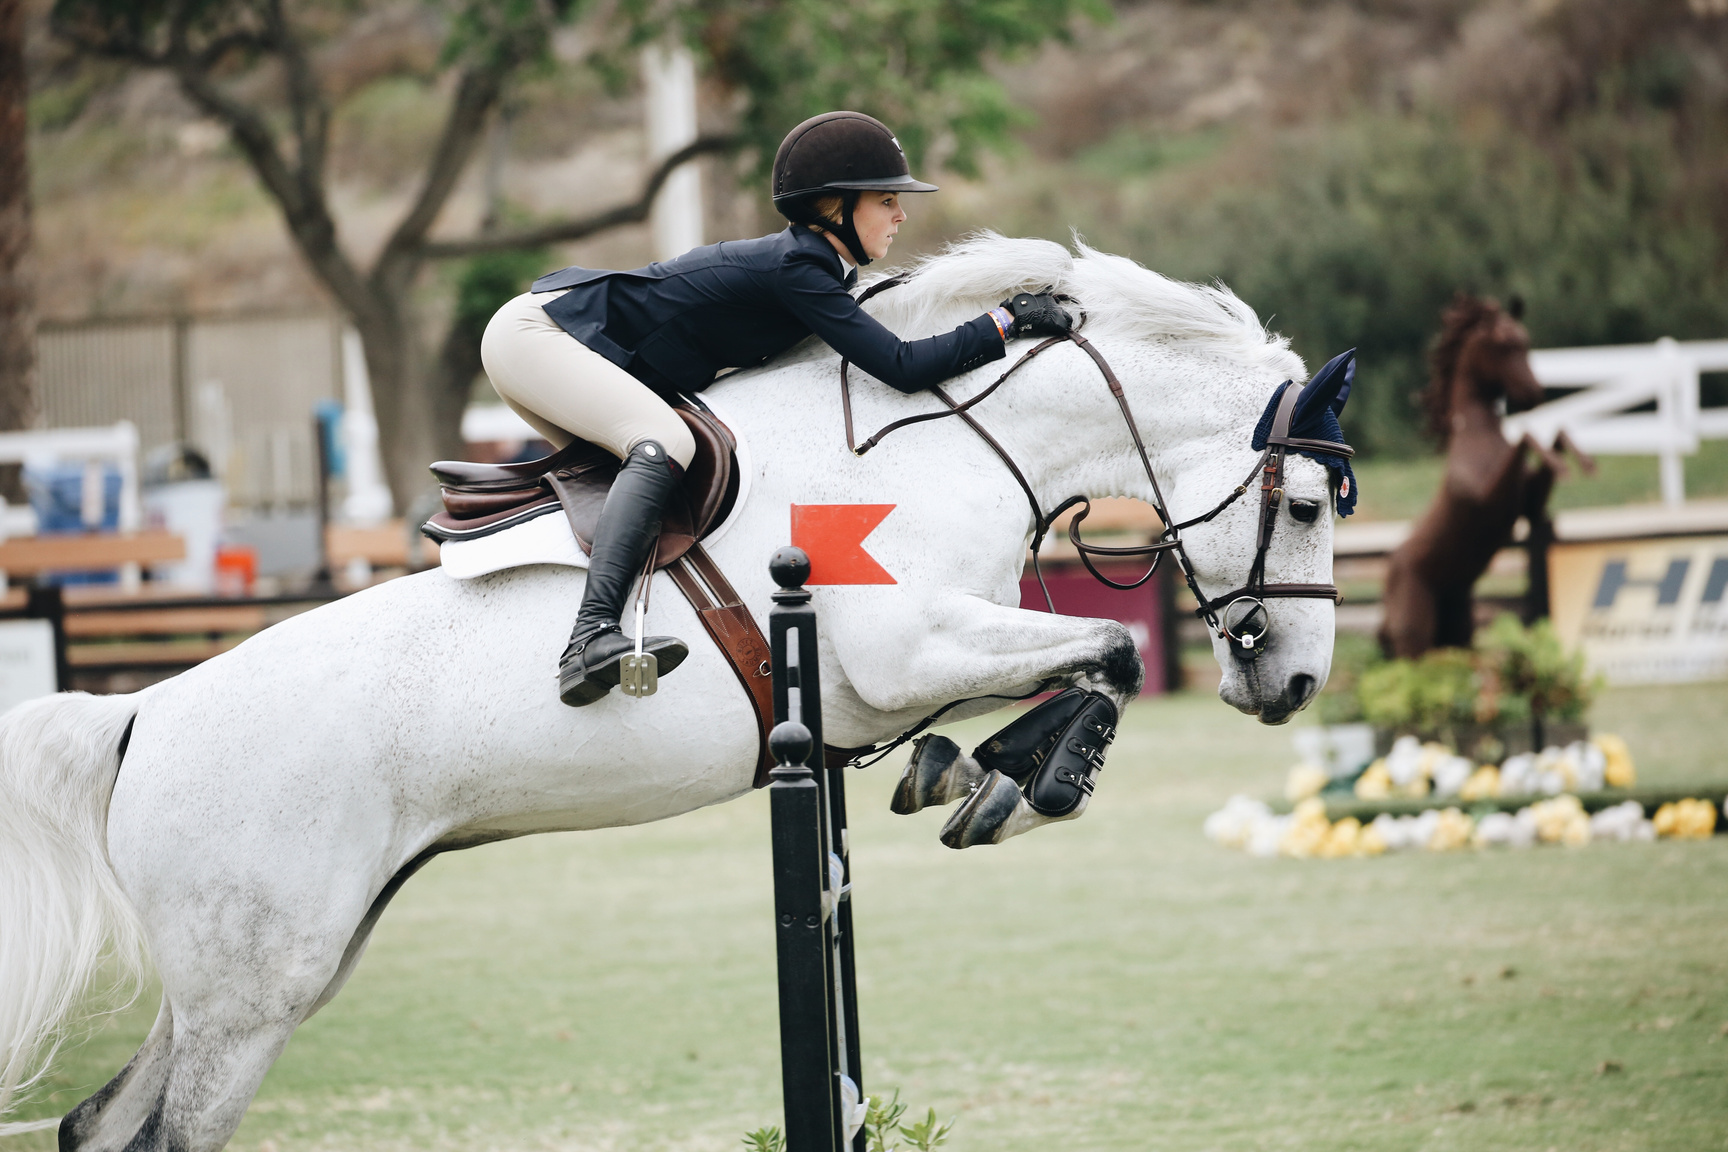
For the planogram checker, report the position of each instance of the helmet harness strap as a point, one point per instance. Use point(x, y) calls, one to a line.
point(847, 230)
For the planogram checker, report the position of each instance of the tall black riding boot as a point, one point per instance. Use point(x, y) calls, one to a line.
point(629, 525)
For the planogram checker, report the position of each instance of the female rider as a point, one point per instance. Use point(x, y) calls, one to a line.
point(597, 354)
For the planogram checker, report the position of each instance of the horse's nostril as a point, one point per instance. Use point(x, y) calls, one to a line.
point(1301, 688)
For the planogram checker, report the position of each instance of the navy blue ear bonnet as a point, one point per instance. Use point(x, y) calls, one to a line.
point(1316, 418)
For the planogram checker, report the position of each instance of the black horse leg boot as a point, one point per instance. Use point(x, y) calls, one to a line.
point(629, 525)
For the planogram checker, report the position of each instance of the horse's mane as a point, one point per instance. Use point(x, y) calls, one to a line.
point(1118, 295)
point(1461, 318)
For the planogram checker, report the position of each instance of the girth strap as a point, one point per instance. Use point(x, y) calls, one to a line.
point(736, 634)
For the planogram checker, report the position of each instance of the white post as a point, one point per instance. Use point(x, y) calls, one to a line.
point(1678, 412)
point(669, 71)
point(368, 499)
point(131, 506)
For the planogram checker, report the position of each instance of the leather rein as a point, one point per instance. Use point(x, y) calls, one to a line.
point(1238, 616)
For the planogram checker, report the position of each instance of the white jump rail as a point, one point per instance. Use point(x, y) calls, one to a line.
point(1614, 378)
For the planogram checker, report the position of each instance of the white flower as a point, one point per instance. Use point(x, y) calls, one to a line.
point(1266, 835)
point(1230, 825)
point(1622, 822)
point(1518, 775)
point(1523, 829)
point(1406, 761)
point(1450, 774)
point(1496, 829)
point(1592, 765)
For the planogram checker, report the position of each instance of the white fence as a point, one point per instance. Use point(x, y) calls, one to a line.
point(1614, 378)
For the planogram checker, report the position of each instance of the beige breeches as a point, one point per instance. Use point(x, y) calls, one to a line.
point(564, 388)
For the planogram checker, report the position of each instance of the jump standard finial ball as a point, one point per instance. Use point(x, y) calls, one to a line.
point(790, 567)
point(790, 742)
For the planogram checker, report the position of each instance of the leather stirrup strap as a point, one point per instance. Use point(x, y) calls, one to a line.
point(735, 632)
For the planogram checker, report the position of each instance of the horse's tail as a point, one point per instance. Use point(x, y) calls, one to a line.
point(62, 914)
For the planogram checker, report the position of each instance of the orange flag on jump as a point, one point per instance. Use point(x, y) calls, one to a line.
point(832, 535)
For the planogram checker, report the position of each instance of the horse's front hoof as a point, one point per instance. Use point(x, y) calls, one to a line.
point(938, 773)
point(984, 817)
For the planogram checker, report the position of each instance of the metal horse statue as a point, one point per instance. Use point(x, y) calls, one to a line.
point(246, 823)
point(1481, 370)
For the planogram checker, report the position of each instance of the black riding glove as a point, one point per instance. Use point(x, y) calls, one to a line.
point(1038, 315)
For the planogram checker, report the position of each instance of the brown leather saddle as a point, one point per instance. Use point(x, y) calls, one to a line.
point(483, 499)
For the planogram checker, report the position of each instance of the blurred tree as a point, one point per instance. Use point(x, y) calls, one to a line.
point(17, 281)
point(1359, 237)
point(919, 63)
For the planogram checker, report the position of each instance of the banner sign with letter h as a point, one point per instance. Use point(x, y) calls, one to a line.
point(1645, 611)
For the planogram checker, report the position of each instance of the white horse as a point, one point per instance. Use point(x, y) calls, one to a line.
point(246, 822)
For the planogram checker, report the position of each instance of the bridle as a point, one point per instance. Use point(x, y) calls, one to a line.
point(1239, 617)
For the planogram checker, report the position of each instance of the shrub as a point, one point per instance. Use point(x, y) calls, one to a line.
point(1357, 234)
point(1514, 674)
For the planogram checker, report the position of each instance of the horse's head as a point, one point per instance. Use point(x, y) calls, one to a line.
point(1264, 564)
point(1481, 357)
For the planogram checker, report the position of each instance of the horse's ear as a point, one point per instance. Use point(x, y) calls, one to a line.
point(1515, 307)
point(1330, 386)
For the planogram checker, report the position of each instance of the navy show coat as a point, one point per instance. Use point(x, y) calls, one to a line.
point(674, 325)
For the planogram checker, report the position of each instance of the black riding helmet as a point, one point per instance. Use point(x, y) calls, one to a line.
point(838, 152)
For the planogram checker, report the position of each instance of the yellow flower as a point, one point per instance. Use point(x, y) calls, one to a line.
point(1304, 780)
point(1619, 772)
point(1451, 832)
point(1343, 839)
point(1308, 830)
point(1558, 818)
point(1375, 783)
point(1686, 820)
point(1370, 843)
point(1484, 784)
point(1420, 785)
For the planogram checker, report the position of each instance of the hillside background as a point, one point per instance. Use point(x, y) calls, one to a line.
point(1344, 166)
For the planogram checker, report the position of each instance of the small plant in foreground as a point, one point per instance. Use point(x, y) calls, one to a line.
point(881, 1119)
point(765, 1140)
point(881, 1124)
point(928, 1133)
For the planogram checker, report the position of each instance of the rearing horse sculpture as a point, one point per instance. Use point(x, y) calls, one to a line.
point(1482, 359)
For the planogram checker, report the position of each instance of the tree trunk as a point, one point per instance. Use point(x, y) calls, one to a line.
point(18, 402)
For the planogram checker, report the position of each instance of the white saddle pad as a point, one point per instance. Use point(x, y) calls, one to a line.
point(547, 539)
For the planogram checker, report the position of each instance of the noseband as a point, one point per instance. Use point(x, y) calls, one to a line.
point(1239, 617)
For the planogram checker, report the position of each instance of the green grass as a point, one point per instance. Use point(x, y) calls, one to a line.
point(1112, 983)
point(1399, 489)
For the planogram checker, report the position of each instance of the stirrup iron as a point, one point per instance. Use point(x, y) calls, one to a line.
point(639, 672)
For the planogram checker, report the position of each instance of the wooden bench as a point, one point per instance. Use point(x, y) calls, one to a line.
point(125, 552)
point(109, 640)
point(384, 545)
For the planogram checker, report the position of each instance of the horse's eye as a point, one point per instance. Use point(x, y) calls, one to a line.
point(1305, 510)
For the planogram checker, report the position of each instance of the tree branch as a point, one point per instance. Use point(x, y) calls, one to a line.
point(305, 99)
point(634, 212)
point(476, 95)
point(303, 206)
